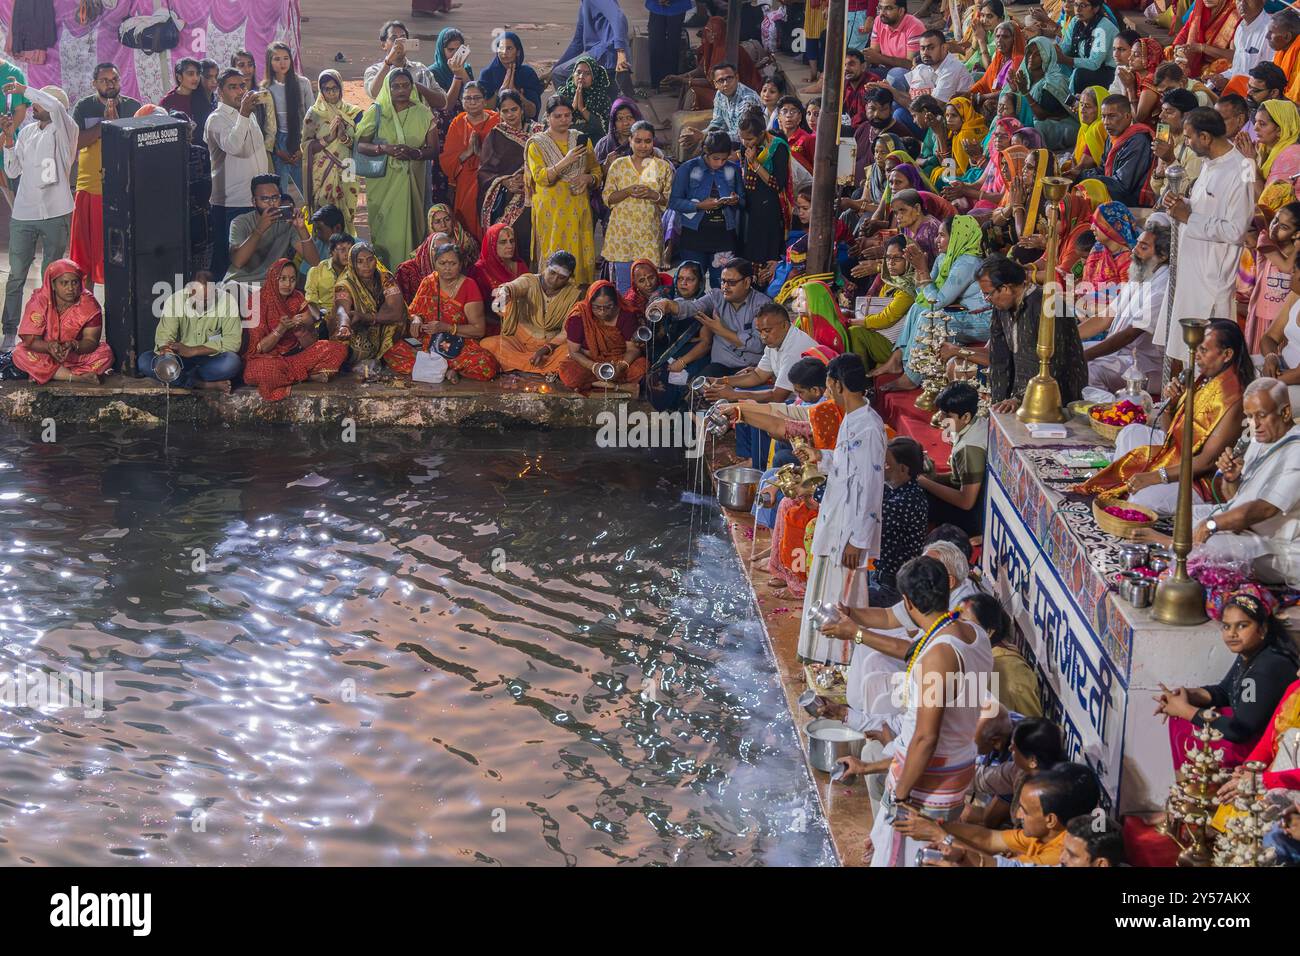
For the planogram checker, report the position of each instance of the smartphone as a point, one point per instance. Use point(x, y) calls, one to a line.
point(410, 44)
point(583, 139)
point(1163, 133)
point(286, 210)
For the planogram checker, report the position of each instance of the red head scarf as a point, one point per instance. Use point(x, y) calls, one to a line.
point(273, 307)
point(491, 270)
point(39, 316)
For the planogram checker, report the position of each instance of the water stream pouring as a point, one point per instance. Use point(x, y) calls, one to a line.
point(167, 368)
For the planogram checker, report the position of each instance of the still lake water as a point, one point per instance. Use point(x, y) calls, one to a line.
point(436, 648)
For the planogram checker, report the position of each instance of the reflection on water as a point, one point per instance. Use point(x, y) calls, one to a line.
point(415, 648)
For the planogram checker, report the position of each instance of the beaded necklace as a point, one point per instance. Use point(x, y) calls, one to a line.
point(921, 645)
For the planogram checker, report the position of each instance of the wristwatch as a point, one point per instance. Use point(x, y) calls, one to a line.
point(857, 636)
point(1211, 526)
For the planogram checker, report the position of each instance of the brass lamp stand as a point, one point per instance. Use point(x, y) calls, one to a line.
point(1180, 599)
point(1042, 402)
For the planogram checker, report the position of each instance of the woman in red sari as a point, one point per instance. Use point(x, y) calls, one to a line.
point(600, 330)
point(1139, 77)
point(460, 148)
point(284, 347)
point(449, 303)
point(498, 260)
point(712, 51)
point(648, 284)
point(441, 222)
point(1210, 24)
point(60, 333)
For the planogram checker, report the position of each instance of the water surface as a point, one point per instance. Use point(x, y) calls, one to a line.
point(486, 648)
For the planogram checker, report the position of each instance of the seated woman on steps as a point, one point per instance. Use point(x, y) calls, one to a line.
point(59, 337)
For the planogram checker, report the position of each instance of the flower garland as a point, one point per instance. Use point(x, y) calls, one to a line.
point(921, 645)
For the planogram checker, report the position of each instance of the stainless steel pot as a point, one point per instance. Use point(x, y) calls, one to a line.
point(1143, 592)
point(828, 740)
point(167, 368)
point(1127, 579)
point(737, 487)
point(1133, 555)
point(1160, 559)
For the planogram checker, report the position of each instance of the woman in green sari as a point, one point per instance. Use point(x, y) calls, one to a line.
point(403, 130)
point(898, 285)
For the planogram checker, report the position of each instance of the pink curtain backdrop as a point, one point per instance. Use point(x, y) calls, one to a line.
point(264, 21)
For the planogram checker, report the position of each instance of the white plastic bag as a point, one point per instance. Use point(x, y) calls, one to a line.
point(430, 367)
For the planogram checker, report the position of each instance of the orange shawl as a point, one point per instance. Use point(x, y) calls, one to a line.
point(603, 343)
point(985, 82)
point(1289, 61)
point(1209, 27)
point(464, 176)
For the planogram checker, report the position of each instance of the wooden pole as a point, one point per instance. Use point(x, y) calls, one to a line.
point(821, 229)
point(733, 34)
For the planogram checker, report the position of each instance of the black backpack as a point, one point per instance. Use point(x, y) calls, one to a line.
point(153, 39)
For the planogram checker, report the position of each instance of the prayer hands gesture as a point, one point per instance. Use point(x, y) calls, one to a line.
point(1174, 702)
point(59, 351)
point(916, 256)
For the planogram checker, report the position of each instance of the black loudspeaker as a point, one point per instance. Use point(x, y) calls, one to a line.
point(146, 227)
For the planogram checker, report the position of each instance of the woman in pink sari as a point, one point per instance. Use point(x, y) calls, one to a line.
point(60, 333)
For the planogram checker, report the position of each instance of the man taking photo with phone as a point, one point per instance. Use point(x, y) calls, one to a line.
point(270, 232)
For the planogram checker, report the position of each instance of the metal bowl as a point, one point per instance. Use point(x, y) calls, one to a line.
point(1142, 593)
point(605, 371)
point(828, 740)
point(1160, 559)
point(1133, 556)
point(167, 368)
point(737, 487)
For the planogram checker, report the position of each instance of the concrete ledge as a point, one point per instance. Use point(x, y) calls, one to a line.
point(510, 402)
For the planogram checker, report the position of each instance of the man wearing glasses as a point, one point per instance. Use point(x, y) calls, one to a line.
point(729, 104)
point(727, 319)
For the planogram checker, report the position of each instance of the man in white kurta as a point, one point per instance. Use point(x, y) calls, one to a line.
point(1213, 219)
point(847, 532)
point(1260, 523)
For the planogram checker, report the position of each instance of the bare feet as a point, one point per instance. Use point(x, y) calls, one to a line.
point(86, 378)
point(221, 386)
point(891, 366)
point(321, 377)
point(900, 384)
point(762, 557)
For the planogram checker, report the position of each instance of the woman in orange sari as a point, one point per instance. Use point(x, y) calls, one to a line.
point(1010, 39)
point(59, 337)
point(601, 331)
point(449, 306)
point(284, 348)
point(1148, 473)
point(1206, 37)
point(459, 157)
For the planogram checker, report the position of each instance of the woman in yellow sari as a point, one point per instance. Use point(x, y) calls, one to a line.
point(408, 137)
point(1090, 147)
point(1277, 130)
point(1148, 473)
point(370, 297)
point(329, 131)
point(964, 123)
point(563, 174)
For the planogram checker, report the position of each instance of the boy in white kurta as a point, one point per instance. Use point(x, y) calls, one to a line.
point(847, 532)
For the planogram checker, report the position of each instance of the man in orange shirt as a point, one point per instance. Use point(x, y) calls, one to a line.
point(1048, 801)
point(1284, 38)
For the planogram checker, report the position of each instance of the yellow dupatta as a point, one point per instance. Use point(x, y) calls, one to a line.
point(973, 126)
point(1287, 118)
point(1092, 136)
point(1041, 159)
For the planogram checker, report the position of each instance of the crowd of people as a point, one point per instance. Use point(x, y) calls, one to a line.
point(533, 223)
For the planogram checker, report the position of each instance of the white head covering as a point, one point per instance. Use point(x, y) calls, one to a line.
point(57, 93)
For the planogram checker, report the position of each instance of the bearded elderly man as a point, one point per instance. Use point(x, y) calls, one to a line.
point(1127, 319)
point(1260, 519)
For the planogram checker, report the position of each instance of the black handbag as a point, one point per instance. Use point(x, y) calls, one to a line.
point(152, 39)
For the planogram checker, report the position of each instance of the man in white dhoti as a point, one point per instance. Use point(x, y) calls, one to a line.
point(848, 523)
point(1214, 219)
point(1137, 307)
point(1260, 521)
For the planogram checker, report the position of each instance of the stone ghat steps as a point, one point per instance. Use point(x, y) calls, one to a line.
point(508, 403)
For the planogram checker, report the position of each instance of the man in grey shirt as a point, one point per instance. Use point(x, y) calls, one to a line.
point(726, 318)
point(260, 237)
